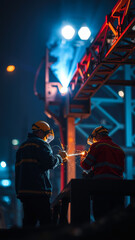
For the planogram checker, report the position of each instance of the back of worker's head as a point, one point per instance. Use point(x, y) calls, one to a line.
point(42, 130)
point(97, 134)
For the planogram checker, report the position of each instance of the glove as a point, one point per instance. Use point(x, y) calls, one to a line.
point(84, 155)
point(63, 155)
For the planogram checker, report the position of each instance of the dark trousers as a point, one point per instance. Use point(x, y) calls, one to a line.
point(36, 209)
point(103, 205)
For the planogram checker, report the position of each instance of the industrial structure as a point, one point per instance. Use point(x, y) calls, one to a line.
point(101, 92)
point(92, 97)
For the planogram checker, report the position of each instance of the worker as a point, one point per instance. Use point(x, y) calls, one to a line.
point(34, 158)
point(105, 159)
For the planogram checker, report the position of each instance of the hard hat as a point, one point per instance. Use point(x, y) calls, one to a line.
point(96, 131)
point(45, 127)
point(41, 125)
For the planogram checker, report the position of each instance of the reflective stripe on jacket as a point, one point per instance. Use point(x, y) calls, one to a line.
point(34, 158)
point(105, 158)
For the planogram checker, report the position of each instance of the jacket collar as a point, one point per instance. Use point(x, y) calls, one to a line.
point(105, 138)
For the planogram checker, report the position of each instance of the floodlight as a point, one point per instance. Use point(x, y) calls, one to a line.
point(84, 33)
point(68, 32)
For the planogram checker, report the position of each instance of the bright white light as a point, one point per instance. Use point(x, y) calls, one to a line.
point(84, 33)
point(68, 32)
point(3, 164)
point(63, 90)
point(133, 28)
point(121, 93)
point(15, 142)
point(6, 182)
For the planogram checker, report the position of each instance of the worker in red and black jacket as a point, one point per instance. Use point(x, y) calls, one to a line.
point(106, 160)
point(34, 158)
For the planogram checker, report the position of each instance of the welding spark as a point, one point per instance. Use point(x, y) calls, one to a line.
point(77, 154)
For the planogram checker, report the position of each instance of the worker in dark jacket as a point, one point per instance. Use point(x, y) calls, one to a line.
point(106, 160)
point(34, 158)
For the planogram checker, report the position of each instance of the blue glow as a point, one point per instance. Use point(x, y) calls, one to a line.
point(68, 56)
point(6, 183)
point(6, 199)
point(3, 164)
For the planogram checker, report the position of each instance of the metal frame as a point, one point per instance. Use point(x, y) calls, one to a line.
point(126, 125)
point(113, 47)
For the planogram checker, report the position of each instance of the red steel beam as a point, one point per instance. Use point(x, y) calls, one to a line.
point(105, 61)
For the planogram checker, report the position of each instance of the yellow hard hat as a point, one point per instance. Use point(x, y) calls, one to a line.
point(41, 125)
point(45, 127)
point(97, 130)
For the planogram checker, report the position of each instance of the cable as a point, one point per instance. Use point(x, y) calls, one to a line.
point(36, 78)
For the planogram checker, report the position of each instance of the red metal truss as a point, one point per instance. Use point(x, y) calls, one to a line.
point(112, 47)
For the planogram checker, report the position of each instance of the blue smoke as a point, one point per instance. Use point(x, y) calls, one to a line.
point(68, 54)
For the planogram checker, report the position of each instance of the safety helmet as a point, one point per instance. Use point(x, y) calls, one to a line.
point(96, 131)
point(44, 126)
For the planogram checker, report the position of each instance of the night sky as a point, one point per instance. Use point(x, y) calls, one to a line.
point(26, 29)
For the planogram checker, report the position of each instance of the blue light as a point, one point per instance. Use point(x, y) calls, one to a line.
point(67, 58)
point(68, 55)
point(6, 199)
point(3, 164)
point(6, 183)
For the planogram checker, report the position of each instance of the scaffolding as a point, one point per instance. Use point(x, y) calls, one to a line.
point(112, 51)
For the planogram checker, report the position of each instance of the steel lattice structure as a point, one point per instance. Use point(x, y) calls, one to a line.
point(123, 124)
point(112, 49)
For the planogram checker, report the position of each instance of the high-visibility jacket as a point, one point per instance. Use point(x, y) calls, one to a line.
point(105, 158)
point(34, 158)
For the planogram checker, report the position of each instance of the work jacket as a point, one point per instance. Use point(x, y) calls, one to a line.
point(34, 158)
point(106, 159)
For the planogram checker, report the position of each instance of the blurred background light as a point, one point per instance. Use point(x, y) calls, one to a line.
point(6, 199)
point(121, 93)
point(10, 68)
point(84, 33)
point(68, 32)
point(6, 183)
point(15, 142)
point(3, 164)
point(63, 90)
